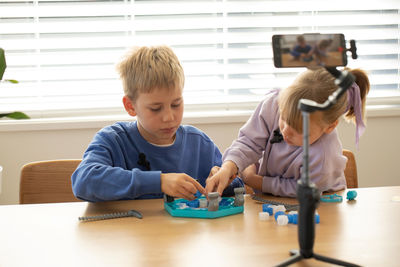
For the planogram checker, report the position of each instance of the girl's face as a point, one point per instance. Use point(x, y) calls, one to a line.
point(316, 130)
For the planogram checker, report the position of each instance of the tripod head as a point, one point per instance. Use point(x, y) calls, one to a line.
point(344, 80)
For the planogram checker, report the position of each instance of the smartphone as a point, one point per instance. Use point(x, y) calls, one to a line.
point(309, 50)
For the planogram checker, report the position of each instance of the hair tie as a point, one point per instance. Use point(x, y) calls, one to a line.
point(354, 100)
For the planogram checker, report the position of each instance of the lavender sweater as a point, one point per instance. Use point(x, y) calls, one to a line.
point(281, 164)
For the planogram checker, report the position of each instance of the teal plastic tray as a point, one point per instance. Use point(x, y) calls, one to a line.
point(174, 210)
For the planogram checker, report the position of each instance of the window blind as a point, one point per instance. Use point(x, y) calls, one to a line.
point(63, 53)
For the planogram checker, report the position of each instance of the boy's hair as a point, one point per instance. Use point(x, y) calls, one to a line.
point(317, 85)
point(147, 68)
point(300, 39)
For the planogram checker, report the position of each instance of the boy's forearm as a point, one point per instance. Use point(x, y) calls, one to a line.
point(126, 184)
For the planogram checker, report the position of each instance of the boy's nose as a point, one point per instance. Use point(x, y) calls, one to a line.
point(168, 115)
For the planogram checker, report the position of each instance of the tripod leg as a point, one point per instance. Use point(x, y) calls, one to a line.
point(334, 261)
point(296, 256)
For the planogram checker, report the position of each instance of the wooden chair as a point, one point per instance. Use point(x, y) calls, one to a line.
point(350, 172)
point(47, 181)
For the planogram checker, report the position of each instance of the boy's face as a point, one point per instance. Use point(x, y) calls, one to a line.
point(159, 114)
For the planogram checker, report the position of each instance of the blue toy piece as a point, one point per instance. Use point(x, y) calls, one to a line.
point(317, 218)
point(198, 194)
point(289, 207)
point(180, 208)
point(351, 195)
point(292, 218)
point(278, 213)
point(193, 204)
point(265, 206)
point(268, 208)
point(331, 198)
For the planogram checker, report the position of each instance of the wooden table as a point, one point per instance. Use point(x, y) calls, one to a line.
point(365, 231)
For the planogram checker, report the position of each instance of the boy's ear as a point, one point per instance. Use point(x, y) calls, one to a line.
point(332, 126)
point(129, 106)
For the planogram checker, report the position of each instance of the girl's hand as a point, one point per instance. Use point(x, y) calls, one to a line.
point(219, 178)
point(251, 178)
point(180, 185)
point(213, 171)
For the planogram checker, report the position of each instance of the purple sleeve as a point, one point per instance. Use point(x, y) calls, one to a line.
point(326, 169)
point(278, 186)
point(253, 136)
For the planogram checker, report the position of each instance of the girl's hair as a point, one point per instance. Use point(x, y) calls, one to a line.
point(147, 68)
point(317, 85)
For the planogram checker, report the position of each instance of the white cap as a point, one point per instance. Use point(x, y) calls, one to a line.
point(263, 216)
point(282, 220)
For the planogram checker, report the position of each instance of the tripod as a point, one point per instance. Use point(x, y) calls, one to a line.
point(307, 192)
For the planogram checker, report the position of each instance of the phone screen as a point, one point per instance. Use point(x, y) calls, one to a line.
point(309, 50)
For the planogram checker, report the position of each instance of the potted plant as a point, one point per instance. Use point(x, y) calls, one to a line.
point(16, 114)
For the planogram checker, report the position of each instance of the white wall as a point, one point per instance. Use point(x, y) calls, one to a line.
point(20, 143)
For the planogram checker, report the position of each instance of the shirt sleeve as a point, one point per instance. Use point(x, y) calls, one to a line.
point(253, 136)
point(326, 170)
point(97, 179)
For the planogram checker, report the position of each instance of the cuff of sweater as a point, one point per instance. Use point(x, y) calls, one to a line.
point(236, 161)
point(266, 184)
point(152, 183)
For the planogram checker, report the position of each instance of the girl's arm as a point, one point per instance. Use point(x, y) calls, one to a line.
point(274, 185)
point(254, 135)
point(326, 171)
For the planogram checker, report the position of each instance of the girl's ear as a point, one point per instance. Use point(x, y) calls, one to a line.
point(331, 126)
point(129, 106)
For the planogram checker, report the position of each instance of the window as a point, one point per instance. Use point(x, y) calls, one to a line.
point(63, 53)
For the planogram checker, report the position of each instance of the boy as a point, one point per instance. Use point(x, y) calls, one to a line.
point(301, 50)
point(154, 155)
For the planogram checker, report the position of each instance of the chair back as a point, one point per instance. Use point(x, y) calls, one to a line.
point(350, 172)
point(47, 181)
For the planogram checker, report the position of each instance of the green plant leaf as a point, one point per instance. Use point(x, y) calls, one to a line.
point(11, 81)
point(17, 115)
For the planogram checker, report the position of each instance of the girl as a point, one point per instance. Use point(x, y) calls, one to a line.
point(268, 152)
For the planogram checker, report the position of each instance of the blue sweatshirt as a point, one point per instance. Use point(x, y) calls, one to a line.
point(111, 169)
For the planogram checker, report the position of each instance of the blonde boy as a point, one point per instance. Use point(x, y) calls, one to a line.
point(154, 155)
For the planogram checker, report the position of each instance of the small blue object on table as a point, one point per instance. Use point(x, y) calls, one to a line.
point(185, 208)
point(331, 198)
point(351, 195)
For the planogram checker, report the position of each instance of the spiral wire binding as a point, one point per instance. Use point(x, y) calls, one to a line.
point(131, 213)
point(289, 207)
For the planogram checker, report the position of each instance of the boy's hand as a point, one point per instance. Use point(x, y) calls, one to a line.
point(220, 177)
point(180, 185)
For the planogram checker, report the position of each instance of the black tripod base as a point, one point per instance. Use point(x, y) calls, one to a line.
point(297, 256)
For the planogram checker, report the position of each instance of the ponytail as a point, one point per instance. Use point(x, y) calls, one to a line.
point(363, 83)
